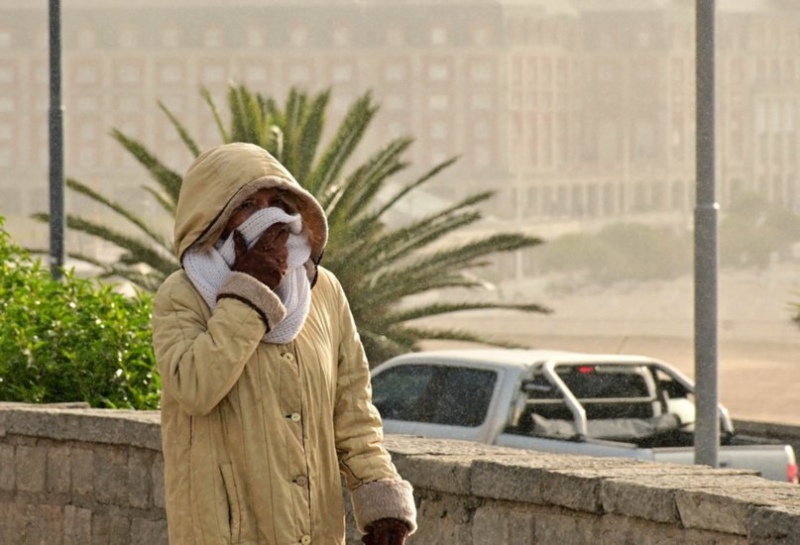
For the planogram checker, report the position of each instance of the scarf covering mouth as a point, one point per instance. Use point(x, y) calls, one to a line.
point(209, 269)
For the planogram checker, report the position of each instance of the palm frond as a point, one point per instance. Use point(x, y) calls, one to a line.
point(344, 143)
point(120, 210)
point(209, 100)
point(182, 132)
point(167, 179)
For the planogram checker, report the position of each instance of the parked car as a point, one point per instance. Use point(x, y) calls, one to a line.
point(561, 402)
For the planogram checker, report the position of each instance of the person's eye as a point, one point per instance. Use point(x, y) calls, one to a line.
point(247, 205)
point(283, 205)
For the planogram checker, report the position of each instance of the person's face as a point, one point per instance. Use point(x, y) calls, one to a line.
point(262, 198)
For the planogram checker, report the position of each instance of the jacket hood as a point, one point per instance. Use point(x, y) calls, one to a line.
point(220, 179)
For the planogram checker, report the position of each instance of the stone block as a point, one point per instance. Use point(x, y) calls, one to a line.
point(110, 530)
point(30, 465)
point(503, 481)
point(618, 529)
point(149, 532)
point(557, 526)
point(58, 470)
point(443, 519)
point(111, 475)
point(41, 524)
point(503, 523)
point(77, 526)
point(7, 467)
point(139, 478)
point(449, 474)
point(157, 476)
point(637, 499)
point(81, 463)
point(773, 525)
point(712, 511)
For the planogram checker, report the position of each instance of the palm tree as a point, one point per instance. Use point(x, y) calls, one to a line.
point(380, 267)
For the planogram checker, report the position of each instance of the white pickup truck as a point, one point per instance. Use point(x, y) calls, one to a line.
point(561, 402)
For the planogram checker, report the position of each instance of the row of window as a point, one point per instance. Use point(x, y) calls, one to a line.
point(215, 35)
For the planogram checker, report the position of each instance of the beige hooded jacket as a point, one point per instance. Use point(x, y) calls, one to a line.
point(257, 435)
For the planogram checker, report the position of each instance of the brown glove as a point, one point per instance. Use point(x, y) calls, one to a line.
point(386, 532)
point(266, 260)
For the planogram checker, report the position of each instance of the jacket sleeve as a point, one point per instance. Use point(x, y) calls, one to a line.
point(201, 357)
point(377, 490)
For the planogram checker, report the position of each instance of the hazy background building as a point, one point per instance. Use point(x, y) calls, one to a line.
point(577, 112)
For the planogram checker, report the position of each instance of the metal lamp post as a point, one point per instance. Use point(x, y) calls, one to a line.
point(706, 442)
point(56, 136)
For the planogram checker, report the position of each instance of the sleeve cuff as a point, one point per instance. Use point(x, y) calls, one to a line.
point(384, 498)
point(250, 291)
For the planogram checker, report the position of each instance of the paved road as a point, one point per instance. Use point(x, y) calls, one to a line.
point(757, 380)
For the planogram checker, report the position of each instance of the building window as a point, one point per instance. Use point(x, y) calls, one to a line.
point(438, 102)
point(438, 36)
point(396, 102)
point(88, 157)
point(481, 130)
point(483, 157)
point(256, 37)
point(5, 161)
point(395, 129)
point(212, 37)
point(129, 104)
point(395, 72)
point(129, 73)
point(481, 72)
point(256, 74)
point(88, 131)
point(481, 102)
point(88, 104)
point(299, 74)
point(299, 36)
point(128, 38)
point(341, 36)
point(395, 37)
point(438, 72)
point(481, 36)
point(6, 74)
point(87, 38)
point(171, 73)
point(170, 37)
point(87, 74)
point(42, 38)
point(438, 130)
point(342, 73)
point(214, 74)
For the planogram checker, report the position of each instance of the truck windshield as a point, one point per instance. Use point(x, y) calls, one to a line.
point(435, 394)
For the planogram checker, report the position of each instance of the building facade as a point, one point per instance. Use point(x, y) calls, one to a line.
point(572, 110)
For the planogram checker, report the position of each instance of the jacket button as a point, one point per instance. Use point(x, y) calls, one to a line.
point(305, 540)
point(295, 417)
point(301, 480)
point(288, 357)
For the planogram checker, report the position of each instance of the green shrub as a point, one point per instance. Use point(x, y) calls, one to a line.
point(71, 340)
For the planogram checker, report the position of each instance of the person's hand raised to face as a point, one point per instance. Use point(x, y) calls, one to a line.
point(266, 260)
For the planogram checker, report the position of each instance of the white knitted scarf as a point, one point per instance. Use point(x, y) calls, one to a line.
point(209, 269)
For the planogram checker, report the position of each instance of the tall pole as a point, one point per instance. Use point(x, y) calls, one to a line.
point(706, 442)
point(57, 217)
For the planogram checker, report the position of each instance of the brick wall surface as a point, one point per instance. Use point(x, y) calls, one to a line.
point(89, 477)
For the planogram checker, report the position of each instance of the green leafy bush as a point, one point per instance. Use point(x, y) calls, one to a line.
point(71, 340)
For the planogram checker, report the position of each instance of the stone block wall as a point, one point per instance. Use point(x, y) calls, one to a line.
point(87, 477)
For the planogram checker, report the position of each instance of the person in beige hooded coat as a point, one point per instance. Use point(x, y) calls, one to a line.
point(258, 430)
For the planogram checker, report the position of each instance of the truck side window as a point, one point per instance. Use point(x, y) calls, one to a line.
point(397, 392)
point(435, 394)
